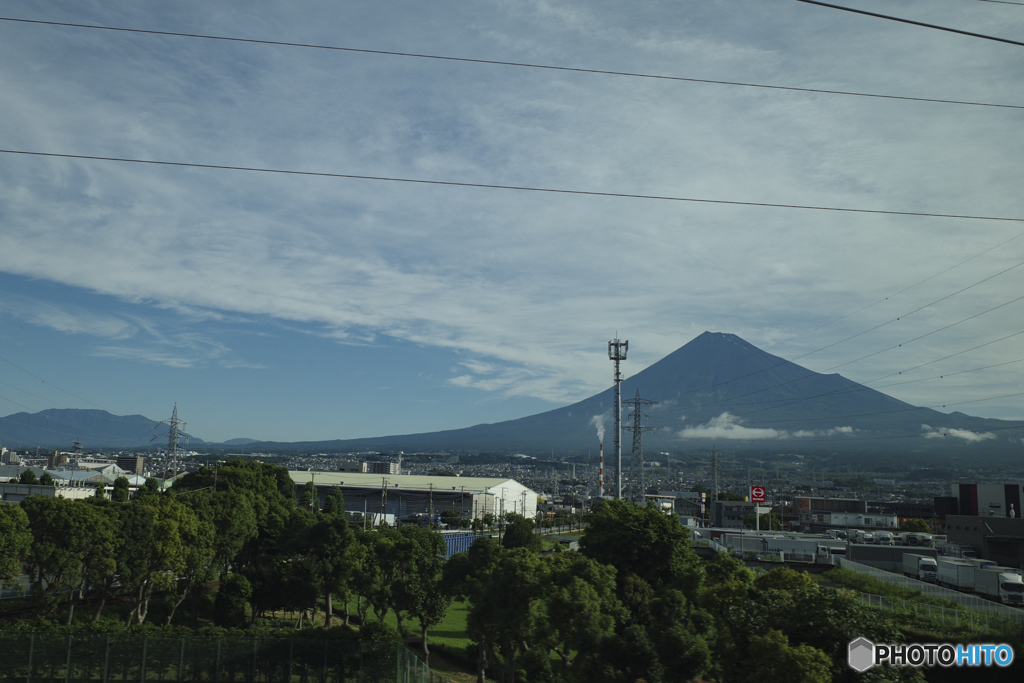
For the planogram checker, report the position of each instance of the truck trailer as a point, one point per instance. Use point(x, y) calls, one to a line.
point(955, 573)
point(1000, 583)
point(921, 567)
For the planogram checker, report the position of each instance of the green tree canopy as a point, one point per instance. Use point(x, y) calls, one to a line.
point(28, 477)
point(46, 479)
point(643, 541)
point(120, 492)
point(916, 526)
point(519, 534)
point(15, 541)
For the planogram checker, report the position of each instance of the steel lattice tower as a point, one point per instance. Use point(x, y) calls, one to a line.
point(617, 352)
point(636, 464)
point(174, 434)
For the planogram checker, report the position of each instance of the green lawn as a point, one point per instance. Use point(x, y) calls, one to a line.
point(450, 632)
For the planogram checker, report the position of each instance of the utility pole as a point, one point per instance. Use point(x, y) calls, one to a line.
point(636, 465)
point(617, 352)
point(716, 475)
point(383, 501)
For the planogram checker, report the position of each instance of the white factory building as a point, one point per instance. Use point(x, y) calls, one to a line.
point(403, 495)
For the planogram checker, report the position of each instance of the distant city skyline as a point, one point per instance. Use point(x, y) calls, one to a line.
point(287, 308)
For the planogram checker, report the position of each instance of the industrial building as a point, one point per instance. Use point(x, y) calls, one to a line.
point(987, 500)
point(397, 496)
point(1000, 539)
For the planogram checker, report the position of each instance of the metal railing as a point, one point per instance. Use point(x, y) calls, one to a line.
point(65, 657)
point(971, 602)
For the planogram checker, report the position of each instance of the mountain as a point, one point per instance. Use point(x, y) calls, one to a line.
point(719, 389)
point(716, 390)
point(96, 429)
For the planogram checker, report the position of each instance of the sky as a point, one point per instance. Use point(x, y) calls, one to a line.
point(296, 307)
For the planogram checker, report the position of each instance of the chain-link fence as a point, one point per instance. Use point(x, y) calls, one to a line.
point(971, 602)
point(63, 658)
point(965, 619)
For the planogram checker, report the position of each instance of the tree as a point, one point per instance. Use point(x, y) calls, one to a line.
point(28, 477)
point(519, 534)
point(73, 545)
point(154, 531)
point(915, 526)
point(421, 584)
point(777, 662)
point(335, 501)
point(642, 541)
point(503, 616)
point(15, 541)
point(46, 479)
point(101, 490)
point(232, 599)
point(120, 492)
point(581, 608)
point(333, 543)
point(308, 498)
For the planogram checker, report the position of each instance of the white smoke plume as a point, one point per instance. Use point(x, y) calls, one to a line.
point(598, 423)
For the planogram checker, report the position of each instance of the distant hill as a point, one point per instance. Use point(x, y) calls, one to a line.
point(238, 442)
point(720, 389)
point(96, 429)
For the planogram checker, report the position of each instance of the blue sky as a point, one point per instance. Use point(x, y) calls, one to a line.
point(292, 307)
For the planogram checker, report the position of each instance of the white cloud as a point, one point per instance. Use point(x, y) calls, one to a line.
point(727, 426)
point(966, 435)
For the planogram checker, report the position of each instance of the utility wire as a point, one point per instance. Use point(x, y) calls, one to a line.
point(50, 383)
point(515, 64)
point(520, 188)
point(1003, 2)
point(915, 23)
point(893, 296)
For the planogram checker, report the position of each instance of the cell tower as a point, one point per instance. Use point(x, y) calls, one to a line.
point(637, 484)
point(617, 352)
point(77, 447)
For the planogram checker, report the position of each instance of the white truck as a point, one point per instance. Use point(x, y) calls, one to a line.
point(921, 567)
point(883, 538)
point(954, 573)
point(1000, 583)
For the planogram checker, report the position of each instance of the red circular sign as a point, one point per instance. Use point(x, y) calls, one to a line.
point(757, 494)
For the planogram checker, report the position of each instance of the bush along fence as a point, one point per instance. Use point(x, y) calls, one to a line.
point(63, 658)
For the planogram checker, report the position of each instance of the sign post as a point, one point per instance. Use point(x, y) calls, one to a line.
point(757, 496)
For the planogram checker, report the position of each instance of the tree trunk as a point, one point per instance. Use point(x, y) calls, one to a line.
point(347, 615)
point(98, 611)
point(328, 611)
point(71, 607)
point(174, 608)
point(480, 660)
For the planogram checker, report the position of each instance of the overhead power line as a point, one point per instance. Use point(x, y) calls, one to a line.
point(519, 188)
point(525, 65)
point(915, 23)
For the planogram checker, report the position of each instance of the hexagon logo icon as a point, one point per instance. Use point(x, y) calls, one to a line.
point(861, 655)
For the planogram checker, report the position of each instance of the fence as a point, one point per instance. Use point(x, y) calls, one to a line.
point(971, 602)
point(966, 619)
point(62, 658)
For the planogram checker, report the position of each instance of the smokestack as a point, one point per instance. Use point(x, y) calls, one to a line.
point(600, 472)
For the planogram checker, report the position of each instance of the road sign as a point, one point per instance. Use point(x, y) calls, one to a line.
point(757, 494)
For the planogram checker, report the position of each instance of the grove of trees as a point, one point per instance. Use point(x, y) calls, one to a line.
point(634, 603)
